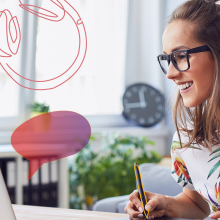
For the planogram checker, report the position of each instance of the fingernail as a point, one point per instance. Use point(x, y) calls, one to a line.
point(151, 217)
point(149, 207)
point(140, 215)
point(212, 215)
point(141, 210)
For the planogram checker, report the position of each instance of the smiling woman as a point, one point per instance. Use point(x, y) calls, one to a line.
point(192, 61)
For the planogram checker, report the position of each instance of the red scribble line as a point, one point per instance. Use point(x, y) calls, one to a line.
point(60, 83)
point(6, 54)
point(8, 29)
point(60, 74)
point(79, 21)
point(70, 65)
point(38, 13)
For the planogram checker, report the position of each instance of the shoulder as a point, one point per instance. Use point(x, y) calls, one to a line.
point(183, 136)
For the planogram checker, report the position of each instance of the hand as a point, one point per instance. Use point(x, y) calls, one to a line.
point(156, 203)
point(215, 215)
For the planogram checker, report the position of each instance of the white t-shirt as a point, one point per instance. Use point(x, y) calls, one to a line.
point(197, 169)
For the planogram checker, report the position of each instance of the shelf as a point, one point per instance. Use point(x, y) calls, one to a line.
point(161, 131)
point(7, 150)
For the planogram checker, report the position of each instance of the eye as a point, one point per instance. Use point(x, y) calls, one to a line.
point(179, 56)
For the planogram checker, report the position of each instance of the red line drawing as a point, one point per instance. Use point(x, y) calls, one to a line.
point(66, 9)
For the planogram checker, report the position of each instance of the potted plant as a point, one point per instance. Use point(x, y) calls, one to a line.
point(108, 171)
point(38, 108)
point(42, 123)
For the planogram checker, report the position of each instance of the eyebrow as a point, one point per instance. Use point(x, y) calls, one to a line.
point(179, 47)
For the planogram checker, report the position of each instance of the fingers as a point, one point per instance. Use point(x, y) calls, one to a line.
point(215, 215)
point(132, 211)
point(156, 206)
point(134, 198)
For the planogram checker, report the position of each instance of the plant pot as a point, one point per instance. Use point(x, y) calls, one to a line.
point(41, 121)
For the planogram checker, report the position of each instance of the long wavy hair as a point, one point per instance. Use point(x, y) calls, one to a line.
point(201, 123)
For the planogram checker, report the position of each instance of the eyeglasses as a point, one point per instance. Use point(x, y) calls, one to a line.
point(179, 58)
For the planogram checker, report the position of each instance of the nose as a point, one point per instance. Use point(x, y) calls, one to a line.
point(172, 72)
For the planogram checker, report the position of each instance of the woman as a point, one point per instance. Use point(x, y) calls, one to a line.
point(192, 41)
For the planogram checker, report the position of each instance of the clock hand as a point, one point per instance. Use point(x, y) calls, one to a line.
point(135, 105)
point(142, 99)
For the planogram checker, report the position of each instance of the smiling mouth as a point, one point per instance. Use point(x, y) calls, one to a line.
point(185, 86)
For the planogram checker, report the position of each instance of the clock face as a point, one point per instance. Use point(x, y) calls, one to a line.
point(143, 105)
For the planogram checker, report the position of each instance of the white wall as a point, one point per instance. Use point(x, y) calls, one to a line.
point(146, 23)
point(170, 86)
point(143, 43)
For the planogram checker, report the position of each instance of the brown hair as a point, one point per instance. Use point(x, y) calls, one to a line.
point(204, 20)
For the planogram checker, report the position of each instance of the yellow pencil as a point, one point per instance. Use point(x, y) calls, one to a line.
point(141, 190)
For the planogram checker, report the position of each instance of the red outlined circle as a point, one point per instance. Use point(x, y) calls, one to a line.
point(67, 9)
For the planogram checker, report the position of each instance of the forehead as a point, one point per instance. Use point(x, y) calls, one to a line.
point(177, 33)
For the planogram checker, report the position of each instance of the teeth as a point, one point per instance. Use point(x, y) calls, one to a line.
point(184, 86)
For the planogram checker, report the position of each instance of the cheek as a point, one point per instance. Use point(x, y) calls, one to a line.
point(203, 76)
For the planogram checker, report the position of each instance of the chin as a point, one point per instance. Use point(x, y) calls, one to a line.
point(192, 103)
point(189, 104)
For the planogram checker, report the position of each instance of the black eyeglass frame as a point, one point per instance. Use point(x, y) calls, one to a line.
point(186, 52)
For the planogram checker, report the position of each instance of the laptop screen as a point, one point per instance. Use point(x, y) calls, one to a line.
point(6, 209)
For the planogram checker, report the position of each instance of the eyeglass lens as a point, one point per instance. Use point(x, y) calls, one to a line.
point(179, 59)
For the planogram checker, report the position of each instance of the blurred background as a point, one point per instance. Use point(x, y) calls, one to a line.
point(124, 39)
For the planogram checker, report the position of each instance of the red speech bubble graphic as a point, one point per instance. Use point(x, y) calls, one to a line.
point(63, 8)
point(50, 136)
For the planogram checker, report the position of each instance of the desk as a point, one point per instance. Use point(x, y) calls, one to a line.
point(23, 212)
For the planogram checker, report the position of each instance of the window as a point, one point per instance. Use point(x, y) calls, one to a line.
point(11, 110)
point(9, 90)
point(96, 89)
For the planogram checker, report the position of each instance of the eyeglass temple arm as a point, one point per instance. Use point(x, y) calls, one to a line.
point(199, 49)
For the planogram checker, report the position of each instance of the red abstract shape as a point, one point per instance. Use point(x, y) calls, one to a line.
point(51, 135)
point(66, 9)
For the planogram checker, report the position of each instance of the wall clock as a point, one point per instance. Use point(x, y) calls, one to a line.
point(143, 105)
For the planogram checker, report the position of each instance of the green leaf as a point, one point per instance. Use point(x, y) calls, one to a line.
point(176, 145)
point(216, 156)
point(39, 107)
point(151, 142)
point(215, 151)
point(180, 178)
point(185, 183)
point(218, 175)
point(214, 168)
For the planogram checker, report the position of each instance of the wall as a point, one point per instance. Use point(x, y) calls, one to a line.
point(146, 22)
point(170, 86)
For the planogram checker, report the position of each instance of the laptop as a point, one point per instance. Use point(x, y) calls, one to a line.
point(6, 209)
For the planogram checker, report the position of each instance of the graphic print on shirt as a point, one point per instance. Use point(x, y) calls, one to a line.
point(181, 170)
point(216, 165)
point(179, 166)
point(200, 165)
point(215, 205)
point(176, 145)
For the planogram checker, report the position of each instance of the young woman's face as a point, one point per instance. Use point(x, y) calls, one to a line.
point(201, 71)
